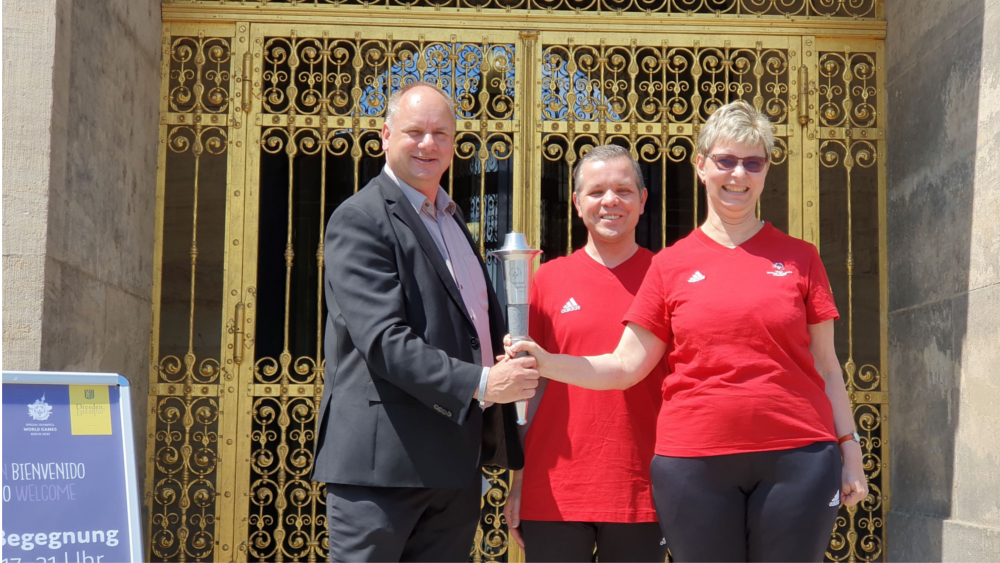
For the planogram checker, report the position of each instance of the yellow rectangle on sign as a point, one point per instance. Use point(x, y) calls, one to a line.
point(89, 410)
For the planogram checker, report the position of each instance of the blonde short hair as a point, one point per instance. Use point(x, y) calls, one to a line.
point(737, 122)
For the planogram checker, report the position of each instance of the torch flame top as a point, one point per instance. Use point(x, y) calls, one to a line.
point(515, 247)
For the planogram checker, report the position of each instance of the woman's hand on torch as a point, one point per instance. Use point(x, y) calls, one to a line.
point(507, 343)
point(527, 346)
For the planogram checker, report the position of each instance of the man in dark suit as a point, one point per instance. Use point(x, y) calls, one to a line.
point(413, 329)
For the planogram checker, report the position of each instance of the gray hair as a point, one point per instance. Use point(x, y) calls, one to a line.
point(392, 108)
point(737, 122)
point(606, 153)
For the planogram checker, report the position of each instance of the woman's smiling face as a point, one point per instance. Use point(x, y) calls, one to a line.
point(732, 193)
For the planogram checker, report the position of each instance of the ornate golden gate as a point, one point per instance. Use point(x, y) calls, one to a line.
point(270, 117)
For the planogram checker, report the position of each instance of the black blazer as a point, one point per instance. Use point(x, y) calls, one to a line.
point(402, 356)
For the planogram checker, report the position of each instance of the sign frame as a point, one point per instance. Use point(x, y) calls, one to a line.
point(128, 435)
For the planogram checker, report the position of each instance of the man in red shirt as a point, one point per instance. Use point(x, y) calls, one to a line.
point(587, 453)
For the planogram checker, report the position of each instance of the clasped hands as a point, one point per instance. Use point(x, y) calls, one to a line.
point(511, 378)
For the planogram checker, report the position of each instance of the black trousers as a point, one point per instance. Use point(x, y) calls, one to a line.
point(574, 541)
point(760, 506)
point(401, 524)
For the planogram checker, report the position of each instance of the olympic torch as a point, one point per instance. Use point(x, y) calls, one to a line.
point(516, 257)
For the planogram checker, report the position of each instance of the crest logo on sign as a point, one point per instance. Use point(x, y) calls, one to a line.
point(88, 393)
point(40, 410)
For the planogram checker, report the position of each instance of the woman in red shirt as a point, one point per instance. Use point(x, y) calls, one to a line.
point(747, 464)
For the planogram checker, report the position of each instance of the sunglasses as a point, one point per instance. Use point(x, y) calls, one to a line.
point(726, 162)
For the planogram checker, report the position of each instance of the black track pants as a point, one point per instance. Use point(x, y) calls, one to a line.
point(574, 541)
point(760, 506)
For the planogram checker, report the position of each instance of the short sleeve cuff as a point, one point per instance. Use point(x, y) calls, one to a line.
point(661, 332)
point(822, 316)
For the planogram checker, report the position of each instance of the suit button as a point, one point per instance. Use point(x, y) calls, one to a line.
point(475, 343)
point(442, 410)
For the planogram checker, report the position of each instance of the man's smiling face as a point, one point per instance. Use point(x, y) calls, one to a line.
point(608, 199)
point(420, 145)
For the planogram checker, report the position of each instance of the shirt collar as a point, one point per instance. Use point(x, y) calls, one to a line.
point(443, 203)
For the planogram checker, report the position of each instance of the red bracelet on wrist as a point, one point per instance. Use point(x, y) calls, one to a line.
point(848, 437)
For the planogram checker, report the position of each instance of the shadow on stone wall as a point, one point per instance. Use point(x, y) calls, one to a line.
point(99, 244)
point(933, 59)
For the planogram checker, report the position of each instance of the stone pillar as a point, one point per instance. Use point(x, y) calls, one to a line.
point(943, 65)
point(34, 110)
point(80, 106)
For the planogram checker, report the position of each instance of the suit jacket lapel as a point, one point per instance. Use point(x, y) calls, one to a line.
point(403, 210)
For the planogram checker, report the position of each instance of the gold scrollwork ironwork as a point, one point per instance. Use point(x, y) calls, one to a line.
point(651, 99)
point(847, 90)
point(342, 86)
point(316, 98)
point(183, 511)
point(199, 74)
point(858, 533)
point(849, 119)
point(850, 9)
point(325, 98)
point(185, 409)
point(491, 541)
point(660, 83)
point(288, 515)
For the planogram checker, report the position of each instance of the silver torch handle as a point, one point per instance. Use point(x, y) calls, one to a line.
point(522, 406)
point(517, 321)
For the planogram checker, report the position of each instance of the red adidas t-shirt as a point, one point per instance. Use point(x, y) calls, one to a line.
point(587, 453)
point(742, 378)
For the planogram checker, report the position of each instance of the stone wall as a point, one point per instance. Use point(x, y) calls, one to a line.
point(80, 146)
point(943, 65)
point(30, 29)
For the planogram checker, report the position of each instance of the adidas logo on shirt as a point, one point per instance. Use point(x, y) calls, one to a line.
point(570, 305)
point(697, 277)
